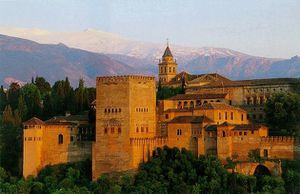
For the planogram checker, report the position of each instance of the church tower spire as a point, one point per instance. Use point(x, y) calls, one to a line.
point(167, 66)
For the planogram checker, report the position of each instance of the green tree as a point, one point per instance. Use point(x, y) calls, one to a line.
point(22, 107)
point(282, 112)
point(42, 85)
point(33, 100)
point(13, 94)
point(3, 98)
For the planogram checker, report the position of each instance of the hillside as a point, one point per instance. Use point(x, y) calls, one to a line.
point(22, 59)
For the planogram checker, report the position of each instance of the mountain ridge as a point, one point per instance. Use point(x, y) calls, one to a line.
point(123, 56)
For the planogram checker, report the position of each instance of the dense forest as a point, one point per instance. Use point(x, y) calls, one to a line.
point(169, 171)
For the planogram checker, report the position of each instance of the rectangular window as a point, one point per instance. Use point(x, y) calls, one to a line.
point(167, 116)
point(245, 133)
point(265, 153)
point(220, 116)
point(225, 115)
point(231, 115)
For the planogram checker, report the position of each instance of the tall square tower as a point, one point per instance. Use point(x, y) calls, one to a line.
point(125, 109)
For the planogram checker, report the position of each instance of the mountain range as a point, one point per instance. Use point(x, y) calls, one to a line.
point(26, 53)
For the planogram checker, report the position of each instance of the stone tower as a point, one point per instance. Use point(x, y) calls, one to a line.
point(125, 110)
point(167, 66)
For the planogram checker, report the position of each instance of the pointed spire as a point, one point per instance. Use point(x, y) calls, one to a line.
point(167, 52)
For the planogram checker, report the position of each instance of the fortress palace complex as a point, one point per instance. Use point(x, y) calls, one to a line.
point(215, 116)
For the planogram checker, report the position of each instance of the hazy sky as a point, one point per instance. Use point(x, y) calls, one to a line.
point(268, 28)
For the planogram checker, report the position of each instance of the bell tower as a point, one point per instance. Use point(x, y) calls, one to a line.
point(167, 66)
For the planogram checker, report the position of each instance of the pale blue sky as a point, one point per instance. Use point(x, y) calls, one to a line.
point(268, 28)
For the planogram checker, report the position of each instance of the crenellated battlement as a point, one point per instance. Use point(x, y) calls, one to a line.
point(159, 141)
point(279, 139)
point(121, 78)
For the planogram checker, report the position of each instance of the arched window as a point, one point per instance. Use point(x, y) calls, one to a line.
point(119, 130)
point(142, 129)
point(220, 116)
point(147, 130)
point(60, 139)
point(119, 109)
point(192, 104)
point(223, 134)
point(112, 130)
point(179, 105)
point(105, 130)
point(242, 117)
point(170, 69)
point(225, 115)
point(179, 132)
point(185, 104)
point(173, 69)
point(137, 129)
point(231, 115)
point(105, 110)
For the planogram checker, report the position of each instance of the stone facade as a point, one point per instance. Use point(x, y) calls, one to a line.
point(53, 142)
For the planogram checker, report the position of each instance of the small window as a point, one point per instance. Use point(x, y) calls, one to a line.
point(71, 138)
point(142, 129)
point(137, 129)
point(105, 130)
point(119, 130)
point(179, 132)
point(223, 134)
point(240, 133)
point(147, 129)
point(242, 117)
point(120, 110)
point(220, 116)
point(112, 130)
point(105, 110)
point(225, 115)
point(266, 153)
point(60, 139)
point(252, 132)
point(245, 133)
point(231, 115)
point(25, 138)
point(167, 116)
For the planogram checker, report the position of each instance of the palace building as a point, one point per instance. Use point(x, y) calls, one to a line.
point(215, 116)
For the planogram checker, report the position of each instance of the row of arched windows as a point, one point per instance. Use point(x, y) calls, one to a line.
point(32, 139)
point(167, 70)
point(112, 130)
point(192, 104)
point(231, 116)
point(112, 110)
point(237, 133)
point(141, 109)
point(142, 129)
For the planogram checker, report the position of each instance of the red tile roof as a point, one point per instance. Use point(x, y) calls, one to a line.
point(197, 96)
point(190, 119)
point(34, 121)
